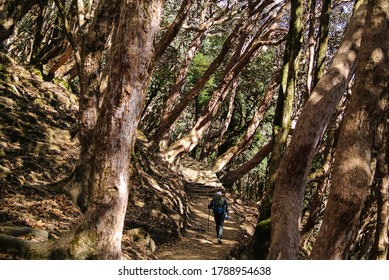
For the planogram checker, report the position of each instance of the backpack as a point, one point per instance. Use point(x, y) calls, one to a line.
point(218, 206)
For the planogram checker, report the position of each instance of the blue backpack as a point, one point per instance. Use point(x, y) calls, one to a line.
point(218, 206)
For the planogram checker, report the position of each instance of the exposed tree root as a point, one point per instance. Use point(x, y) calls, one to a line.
point(20, 231)
point(50, 249)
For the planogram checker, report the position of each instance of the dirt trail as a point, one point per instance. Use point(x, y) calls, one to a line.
point(200, 244)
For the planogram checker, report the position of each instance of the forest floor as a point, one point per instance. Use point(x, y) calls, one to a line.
point(200, 243)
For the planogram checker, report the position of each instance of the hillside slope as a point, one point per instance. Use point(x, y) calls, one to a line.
point(37, 150)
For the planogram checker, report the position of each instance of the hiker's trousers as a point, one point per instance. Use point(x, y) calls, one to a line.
point(219, 220)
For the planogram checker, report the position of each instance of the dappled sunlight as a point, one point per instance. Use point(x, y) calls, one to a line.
point(200, 240)
point(199, 173)
point(228, 228)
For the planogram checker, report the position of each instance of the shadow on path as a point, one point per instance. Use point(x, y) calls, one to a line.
point(199, 243)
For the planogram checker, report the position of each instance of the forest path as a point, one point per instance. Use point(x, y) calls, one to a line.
point(198, 242)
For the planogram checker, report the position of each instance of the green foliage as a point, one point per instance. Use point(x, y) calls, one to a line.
point(169, 12)
point(212, 45)
point(199, 65)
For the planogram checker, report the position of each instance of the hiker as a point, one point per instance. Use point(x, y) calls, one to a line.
point(220, 213)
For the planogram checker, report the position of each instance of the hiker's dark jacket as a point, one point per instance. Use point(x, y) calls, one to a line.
point(217, 208)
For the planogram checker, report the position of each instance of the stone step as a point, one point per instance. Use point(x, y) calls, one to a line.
point(199, 178)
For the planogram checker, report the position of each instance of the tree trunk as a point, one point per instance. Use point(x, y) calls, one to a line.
point(317, 203)
point(113, 141)
point(311, 47)
point(169, 120)
point(190, 141)
point(239, 30)
point(218, 133)
point(173, 29)
point(284, 109)
point(352, 175)
point(92, 48)
point(323, 40)
point(38, 35)
point(179, 84)
point(234, 175)
point(381, 242)
point(289, 190)
point(99, 235)
point(259, 114)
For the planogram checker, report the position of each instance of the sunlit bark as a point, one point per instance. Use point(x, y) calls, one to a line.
point(289, 190)
point(352, 175)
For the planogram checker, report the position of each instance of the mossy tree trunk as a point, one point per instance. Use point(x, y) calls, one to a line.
point(284, 109)
point(292, 174)
point(352, 174)
point(323, 40)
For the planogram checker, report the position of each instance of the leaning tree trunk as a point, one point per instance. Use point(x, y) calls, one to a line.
point(179, 84)
point(236, 174)
point(352, 174)
point(317, 202)
point(173, 29)
point(238, 61)
point(240, 27)
point(218, 134)
point(289, 190)
point(170, 118)
point(247, 137)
